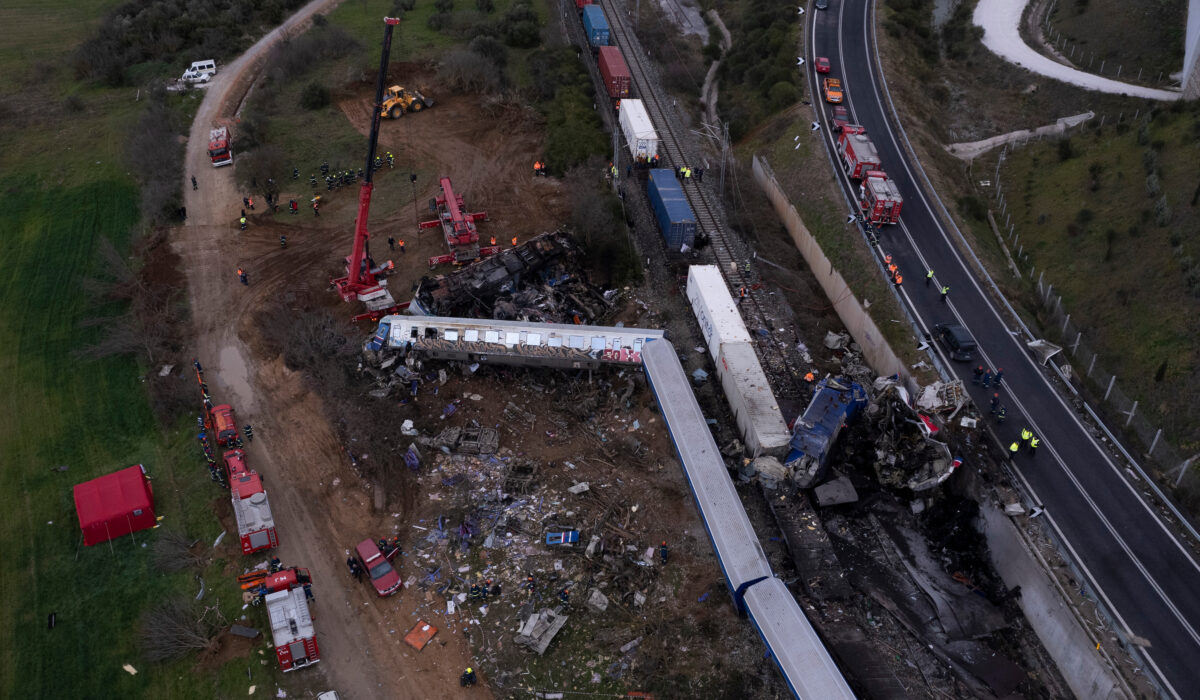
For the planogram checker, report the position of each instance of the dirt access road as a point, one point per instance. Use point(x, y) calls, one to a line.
point(296, 450)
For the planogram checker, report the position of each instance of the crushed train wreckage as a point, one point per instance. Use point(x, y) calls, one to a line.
point(537, 281)
point(906, 453)
point(834, 404)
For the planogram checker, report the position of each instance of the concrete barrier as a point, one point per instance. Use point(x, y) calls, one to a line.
point(1073, 649)
point(878, 354)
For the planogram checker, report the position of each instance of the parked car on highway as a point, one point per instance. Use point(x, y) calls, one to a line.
point(383, 576)
point(957, 340)
point(823, 64)
point(822, 4)
point(833, 90)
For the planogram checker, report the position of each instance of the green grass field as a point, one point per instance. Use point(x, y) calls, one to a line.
point(1135, 35)
point(66, 186)
point(92, 417)
point(1090, 224)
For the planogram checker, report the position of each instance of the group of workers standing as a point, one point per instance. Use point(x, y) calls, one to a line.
point(893, 271)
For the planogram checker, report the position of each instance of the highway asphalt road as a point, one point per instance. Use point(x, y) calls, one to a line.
point(1146, 577)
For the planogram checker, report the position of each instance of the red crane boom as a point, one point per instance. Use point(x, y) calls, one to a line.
point(362, 279)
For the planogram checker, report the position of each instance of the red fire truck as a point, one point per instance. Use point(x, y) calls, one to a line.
point(292, 629)
point(879, 198)
point(857, 152)
point(256, 524)
point(220, 146)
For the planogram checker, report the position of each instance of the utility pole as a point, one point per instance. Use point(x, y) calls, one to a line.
point(724, 156)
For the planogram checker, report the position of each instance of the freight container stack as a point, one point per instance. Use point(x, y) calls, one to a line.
point(671, 209)
point(614, 73)
point(595, 26)
point(759, 419)
point(638, 131)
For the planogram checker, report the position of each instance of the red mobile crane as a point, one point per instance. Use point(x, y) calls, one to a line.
point(458, 226)
point(363, 280)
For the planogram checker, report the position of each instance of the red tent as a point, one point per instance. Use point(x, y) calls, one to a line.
point(114, 505)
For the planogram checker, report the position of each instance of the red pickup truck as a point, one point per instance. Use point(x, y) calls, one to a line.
point(383, 576)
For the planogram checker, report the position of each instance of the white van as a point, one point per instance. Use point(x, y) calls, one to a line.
point(200, 71)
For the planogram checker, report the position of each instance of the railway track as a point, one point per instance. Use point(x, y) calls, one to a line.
point(730, 254)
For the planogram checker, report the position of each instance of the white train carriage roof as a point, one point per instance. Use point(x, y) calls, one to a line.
point(738, 550)
point(806, 665)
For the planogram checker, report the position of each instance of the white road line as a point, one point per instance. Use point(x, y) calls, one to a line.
point(987, 301)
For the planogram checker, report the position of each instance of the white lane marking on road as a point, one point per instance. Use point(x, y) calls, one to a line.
point(987, 301)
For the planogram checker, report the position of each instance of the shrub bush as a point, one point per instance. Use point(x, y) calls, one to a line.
point(1065, 150)
point(1162, 211)
point(467, 71)
point(490, 48)
point(155, 155)
point(314, 96)
point(171, 31)
point(520, 26)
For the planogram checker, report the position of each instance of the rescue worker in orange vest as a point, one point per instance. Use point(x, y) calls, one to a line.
point(809, 376)
point(493, 240)
point(898, 279)
point(514, 241)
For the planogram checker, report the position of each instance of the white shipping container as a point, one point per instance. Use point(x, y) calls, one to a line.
point(719, 318)
point(759, 420)
point(638, 130)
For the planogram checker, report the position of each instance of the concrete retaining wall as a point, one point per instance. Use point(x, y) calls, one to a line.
point(878, 354)
point(1068, 643)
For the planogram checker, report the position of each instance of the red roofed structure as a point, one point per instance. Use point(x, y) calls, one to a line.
point(114, 505)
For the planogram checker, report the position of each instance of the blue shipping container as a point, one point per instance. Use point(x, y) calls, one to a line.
point(595, 25)
point(675, 217)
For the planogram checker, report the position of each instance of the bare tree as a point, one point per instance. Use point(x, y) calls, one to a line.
point(173, 552)
point(177, 627)
point(147, 324)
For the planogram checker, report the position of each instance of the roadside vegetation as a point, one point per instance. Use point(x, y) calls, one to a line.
point(1111, 216)
point(1140, 36)
point(142, 39)
point(758, 74)
point(682, 59)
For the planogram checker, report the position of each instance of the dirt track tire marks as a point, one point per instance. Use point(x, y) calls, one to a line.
point(296, 450)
